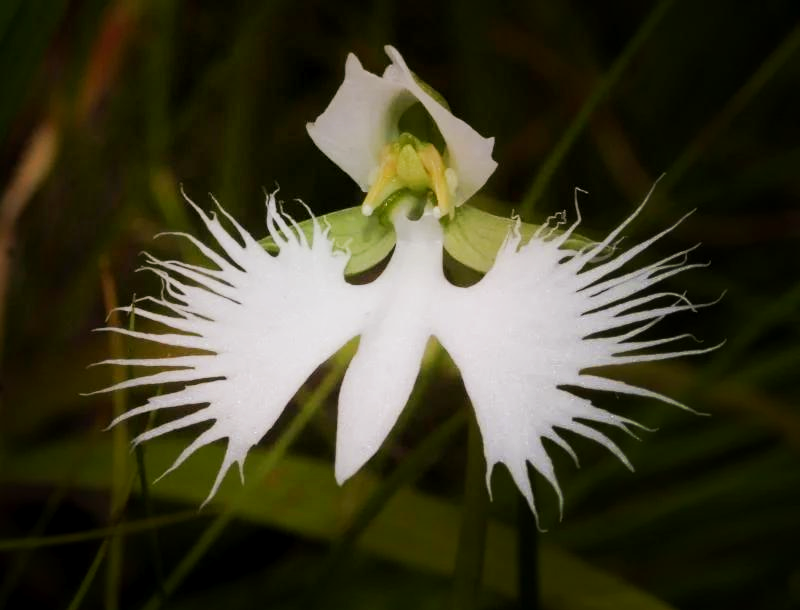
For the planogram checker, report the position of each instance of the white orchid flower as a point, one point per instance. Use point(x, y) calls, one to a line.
point(260, 324)
point(362, 121)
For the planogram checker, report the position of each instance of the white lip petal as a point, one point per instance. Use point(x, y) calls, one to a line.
point(469, 153)
point(523, 335)
point(359, 121)
point(381, 376)
point(266, 322)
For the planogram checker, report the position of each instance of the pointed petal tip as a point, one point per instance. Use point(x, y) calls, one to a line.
point(352, 64)
point(489, 469)
point(163, 474)
point(208, 499)
point(393, 54)
point(342, 474)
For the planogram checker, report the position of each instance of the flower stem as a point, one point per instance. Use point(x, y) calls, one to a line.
point(527, 557)
point(472, 537)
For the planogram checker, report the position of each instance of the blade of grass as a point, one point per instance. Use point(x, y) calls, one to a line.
point(305, 500)
point(781, 363)
point(17, 569)
point(415, 464)
point(529, 569)
point(155, 552)
point(152, 538)
point(248, 87)
point(34, 166)
point(758, 324)
point(124, 528)
point(410, 469)
point(27, 35)
point(158, 81)
point(763, 174)
point(662, 508)
point(576, 127)
point(86, 583)
point(736, 103)
point(119, 441)
point(279, 449)
point(73, 468)
point(470, 553)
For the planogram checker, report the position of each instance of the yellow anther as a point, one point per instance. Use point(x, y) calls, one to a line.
point(385, 180)
point(434, 165)
point(408, 163)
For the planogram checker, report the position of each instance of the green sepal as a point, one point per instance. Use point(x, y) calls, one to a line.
point(473, 237)
point(368, 238)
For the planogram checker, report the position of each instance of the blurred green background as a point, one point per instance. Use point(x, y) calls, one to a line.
point(107, 107)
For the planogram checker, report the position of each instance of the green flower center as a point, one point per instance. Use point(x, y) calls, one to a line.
point(409, 163)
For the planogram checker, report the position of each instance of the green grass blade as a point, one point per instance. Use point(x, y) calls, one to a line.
point(86, 583)
point(155, 551)
point(302, 497)
point(576, 127)
point(471, 549)
point(124, 528)
point(409, 470)
point(120, 483)
point(777, 312)
point(270, 460)
point(737, 102)
point(27, 34)
point(17, 568)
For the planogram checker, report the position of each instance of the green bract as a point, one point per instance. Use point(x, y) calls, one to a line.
point(473, 237)
point(369, 239)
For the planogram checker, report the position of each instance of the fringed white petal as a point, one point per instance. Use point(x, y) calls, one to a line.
point(469, 153)
point(359, 121)
point(265, 322)
point(521, 337)
point(525, 333)
point(382, 374)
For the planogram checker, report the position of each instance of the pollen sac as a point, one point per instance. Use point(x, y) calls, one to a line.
point(408, 163)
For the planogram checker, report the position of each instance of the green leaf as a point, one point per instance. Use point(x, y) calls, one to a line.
point(300, 495)
point(473, 237)
point(368, 238)
point(26, 29)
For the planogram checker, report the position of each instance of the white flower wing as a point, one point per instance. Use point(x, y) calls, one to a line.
point(469, 153)
point(264, 323)
point(525, 333)
point(359, 121)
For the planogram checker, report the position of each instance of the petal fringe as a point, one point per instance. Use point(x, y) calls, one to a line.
point(266, 323)
point(523, 338)
point(526, 333)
